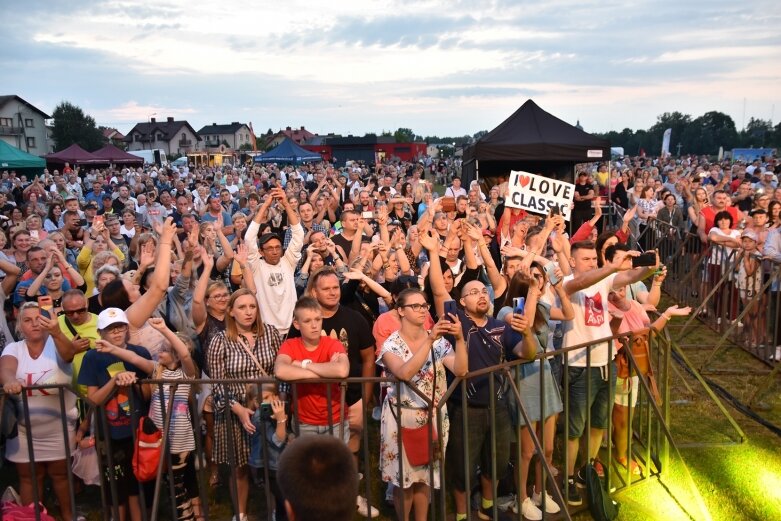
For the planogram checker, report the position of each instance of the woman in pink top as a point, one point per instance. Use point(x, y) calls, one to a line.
point(629, 316)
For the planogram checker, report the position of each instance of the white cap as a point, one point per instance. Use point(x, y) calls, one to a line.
point(111, 316)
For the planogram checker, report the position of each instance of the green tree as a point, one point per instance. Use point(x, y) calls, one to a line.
point(758, 133)
point(72, 125)
point(709, 132)
point(479, 134)
point(245, 146)
point(674, 120)
point(404, 135)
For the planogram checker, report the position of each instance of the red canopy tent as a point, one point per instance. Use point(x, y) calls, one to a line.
point(75, 155)
point(117, 156)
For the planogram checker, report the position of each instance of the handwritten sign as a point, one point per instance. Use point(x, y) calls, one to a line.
point(538, 194)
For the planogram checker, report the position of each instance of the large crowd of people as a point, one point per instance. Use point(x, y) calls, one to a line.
point(112, 276)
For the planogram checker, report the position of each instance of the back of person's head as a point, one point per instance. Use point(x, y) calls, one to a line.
point(324, 464)
point(114, 295)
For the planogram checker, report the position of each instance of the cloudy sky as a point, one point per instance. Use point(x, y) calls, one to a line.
point(440, 67)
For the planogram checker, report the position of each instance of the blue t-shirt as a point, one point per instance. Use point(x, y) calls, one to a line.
point(487, 346)
point(97, 369)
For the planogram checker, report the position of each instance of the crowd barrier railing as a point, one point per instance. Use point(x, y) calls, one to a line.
point(648, 437)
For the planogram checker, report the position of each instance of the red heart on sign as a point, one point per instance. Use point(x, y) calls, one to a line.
point(525, 180)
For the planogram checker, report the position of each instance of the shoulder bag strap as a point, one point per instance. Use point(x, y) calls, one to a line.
point(254, 358)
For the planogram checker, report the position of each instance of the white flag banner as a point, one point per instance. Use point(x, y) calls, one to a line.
point(538, 194)
point(666, 142)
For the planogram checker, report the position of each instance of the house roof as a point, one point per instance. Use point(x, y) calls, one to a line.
point(299, 135)
point(214, 128)
point(4, 100)
point(112, 133)
point(168, 128)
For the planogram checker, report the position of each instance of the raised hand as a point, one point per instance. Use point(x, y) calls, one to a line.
point(168, 229)
point(158, 324)
point(147, 257)
point(103, 346)
point(241, 254)
point(519, 323)
point(675, 311)
point(622, 260)
point(429, 241)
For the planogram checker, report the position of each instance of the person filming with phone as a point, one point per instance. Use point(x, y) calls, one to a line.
point(488, 340)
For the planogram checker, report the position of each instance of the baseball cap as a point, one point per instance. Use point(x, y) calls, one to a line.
point(267, 237)
point(751, 234)
point(110, 316)
point(91, 204)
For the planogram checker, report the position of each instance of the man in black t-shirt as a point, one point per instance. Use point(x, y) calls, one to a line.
point(352, 330)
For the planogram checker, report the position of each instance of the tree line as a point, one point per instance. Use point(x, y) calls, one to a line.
point(701, 135)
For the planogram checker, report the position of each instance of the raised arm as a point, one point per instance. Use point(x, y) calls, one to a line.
point(431, 243)
point(199, 295)
point(146, 304)
point(182, 352)
point(126, 355)
point(11, 275)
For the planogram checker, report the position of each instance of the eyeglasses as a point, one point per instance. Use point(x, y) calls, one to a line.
point(70, 312)
point(116, 328)
point(417, 307)
point(475, 292)
point(221, 296)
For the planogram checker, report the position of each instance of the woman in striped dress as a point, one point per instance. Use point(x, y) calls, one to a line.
point(245, 350)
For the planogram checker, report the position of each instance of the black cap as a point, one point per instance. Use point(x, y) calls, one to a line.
point(92, 204)
point(267, 237)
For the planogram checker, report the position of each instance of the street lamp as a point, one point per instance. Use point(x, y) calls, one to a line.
point(149, 120)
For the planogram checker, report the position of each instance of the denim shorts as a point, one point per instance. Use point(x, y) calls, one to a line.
point(305, 429)
point(601, 398)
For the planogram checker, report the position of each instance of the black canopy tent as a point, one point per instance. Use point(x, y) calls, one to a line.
point(535, 141)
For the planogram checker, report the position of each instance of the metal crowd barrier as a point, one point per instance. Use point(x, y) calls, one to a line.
point(648, 437)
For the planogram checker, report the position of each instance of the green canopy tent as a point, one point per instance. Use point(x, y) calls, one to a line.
point(11, 158)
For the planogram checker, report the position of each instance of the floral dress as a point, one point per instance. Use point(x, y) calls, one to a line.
point(413, 411)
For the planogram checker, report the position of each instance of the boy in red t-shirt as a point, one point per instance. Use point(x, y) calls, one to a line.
point(314, 356)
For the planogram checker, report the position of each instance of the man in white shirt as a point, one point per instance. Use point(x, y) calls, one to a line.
point(275, 273)
point(588, 287)
point(455, 189)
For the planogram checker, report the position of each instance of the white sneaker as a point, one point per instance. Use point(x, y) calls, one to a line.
point(364, 509)
point(530, 510)
point(550, 506)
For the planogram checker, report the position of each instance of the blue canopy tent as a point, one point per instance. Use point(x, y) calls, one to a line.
point(288, 152)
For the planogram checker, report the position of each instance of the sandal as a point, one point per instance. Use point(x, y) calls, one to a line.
point(635, 468)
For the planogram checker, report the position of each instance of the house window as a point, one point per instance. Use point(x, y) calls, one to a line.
point(30, 142)
point(28, 123)
point(6, 122)
point(184, 136)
